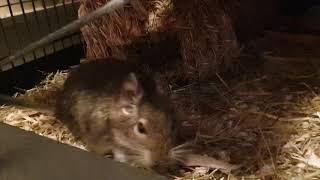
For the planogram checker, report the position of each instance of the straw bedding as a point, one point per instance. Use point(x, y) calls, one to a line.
point(267, 123)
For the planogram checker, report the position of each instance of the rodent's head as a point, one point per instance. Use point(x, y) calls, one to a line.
point(145, 134)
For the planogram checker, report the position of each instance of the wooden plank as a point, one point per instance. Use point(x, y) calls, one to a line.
point(27, 156)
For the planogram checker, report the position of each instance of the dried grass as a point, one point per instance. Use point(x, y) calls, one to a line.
point(301, 157)
point(106, 36)
point(31, 120)
point(207, 40)
point(269, 125)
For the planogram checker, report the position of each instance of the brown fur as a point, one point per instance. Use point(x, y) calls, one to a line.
point(92, 102)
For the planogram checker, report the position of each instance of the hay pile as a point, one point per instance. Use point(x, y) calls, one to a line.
point(267, 123)
point(300, 155)
point(207, 41)
point(31, 120)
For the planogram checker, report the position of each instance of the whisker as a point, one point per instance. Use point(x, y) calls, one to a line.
point(182, 151)
point(178, 158)
point(181, 146)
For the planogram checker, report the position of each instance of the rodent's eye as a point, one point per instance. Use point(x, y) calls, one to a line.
point(141, 129)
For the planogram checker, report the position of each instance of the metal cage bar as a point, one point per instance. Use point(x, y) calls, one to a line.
point(38, 24)
point(24, 21)
point(27, 26)
point(15, 30)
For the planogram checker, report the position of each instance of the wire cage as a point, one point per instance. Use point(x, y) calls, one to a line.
point(24, 21)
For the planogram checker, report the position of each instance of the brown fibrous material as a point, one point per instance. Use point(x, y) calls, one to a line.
point(205, 33)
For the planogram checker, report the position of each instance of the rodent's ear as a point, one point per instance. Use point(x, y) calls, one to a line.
point(131, 90)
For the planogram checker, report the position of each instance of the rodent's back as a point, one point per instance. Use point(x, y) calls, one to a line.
point(87, 83)
point(98, 75)
point(94, 85)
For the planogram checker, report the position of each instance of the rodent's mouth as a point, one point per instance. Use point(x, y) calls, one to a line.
point(144, 158)
point(134, 153)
